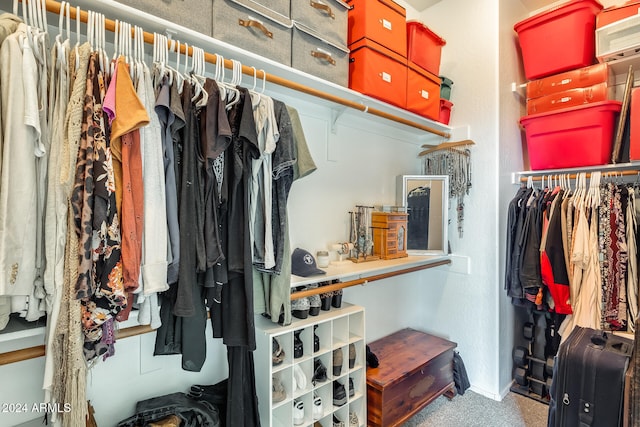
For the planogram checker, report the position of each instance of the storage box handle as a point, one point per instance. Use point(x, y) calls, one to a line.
point(253, 23)
point(323, 55)
point(321, 6)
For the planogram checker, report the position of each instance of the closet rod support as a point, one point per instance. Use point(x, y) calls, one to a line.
point(365, 280)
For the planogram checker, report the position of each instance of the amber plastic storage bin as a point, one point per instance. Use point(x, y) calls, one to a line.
point(581, 77)
point(570, 98)
point(559, 39)
point(383, 21)
point(424, 47)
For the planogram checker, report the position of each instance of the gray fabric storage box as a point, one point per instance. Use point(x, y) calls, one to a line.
point(254, 27)
point(180, 12)
point(328, 18)
point(319, 57)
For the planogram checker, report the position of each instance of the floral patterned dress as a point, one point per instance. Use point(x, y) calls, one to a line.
point(100, 285)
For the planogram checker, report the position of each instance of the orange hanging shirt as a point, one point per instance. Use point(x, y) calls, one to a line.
point(130, 116)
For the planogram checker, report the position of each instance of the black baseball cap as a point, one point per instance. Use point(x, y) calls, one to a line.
point(304, 264)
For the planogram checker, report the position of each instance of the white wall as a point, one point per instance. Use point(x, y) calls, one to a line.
point(466, 307)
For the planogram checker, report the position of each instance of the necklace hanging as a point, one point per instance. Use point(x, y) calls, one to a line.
point(455, 163)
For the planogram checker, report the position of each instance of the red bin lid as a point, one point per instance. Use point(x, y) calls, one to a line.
point(421, 27)
point(556, 12)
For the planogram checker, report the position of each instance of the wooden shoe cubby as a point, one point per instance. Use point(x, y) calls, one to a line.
point(336, 328)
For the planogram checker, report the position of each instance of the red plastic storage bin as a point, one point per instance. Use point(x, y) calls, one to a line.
point(571, 137)
point(445, 111)
point(634, 125)
point(560, 39)
point(424, 47)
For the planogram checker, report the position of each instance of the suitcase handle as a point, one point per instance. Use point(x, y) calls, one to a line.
point(600, 339)
point(321, 6)
point(323, 55)
point(253, 23)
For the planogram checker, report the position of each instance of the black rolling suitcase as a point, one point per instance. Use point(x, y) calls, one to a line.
point(588, 379)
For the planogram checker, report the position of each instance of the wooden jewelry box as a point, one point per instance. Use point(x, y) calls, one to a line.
point(389, 234)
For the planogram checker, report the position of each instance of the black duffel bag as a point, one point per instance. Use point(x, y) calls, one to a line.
point(191, 412)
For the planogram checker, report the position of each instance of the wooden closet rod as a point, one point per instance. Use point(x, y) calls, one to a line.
point(613, 174)
point(54, 7)
point(364, 280)
point(39, 350)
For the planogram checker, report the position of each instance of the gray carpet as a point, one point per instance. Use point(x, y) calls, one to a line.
point(474, 410)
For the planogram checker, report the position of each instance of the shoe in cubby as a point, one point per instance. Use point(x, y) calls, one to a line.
point(339, 394)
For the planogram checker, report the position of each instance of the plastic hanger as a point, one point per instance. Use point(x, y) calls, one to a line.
point(42, 18)
point(264, 81)
point(219, 76)
point(106, 67)
point(233, 96)
point(255, 96)
point(76, 47)
point(200, 96)
point(58, 38)
point(179, 77)
point(90, 28)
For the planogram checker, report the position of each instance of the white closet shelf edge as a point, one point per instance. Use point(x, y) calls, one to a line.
point(114, 10)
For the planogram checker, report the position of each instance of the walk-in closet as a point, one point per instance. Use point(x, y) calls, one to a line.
point(308, 249)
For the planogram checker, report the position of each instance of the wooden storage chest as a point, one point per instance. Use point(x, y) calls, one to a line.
point(389, 234)
point(415, 368)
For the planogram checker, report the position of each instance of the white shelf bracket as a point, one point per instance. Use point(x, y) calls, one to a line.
point(518, 90)
point(336, 113)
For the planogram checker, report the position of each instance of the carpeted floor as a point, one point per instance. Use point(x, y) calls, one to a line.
point(474, 410)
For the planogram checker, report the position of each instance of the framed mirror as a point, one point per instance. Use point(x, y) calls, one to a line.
point(426, 199)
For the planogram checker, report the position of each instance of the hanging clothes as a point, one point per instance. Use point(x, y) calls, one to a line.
point(291, 161)
point(8, 25)
point(552, 261)
point(587, 236)
point(24, 160)
point(100, 285)
point(55, 209)
point(67, 348)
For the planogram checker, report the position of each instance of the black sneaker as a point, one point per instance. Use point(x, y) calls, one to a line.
point(339, 394)
point(352, 389)
point(319, 372)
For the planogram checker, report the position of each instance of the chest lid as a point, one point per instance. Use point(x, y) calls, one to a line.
point(402, 352)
